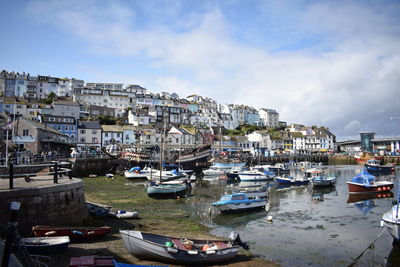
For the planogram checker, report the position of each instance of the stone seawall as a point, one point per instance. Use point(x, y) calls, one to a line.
point(46, 204)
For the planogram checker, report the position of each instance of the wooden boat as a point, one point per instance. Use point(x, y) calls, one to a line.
point(74, 233)
point(181, 251)
point(239, 202)
point(365, 183)
point(374, 166)
point(318, 178)
point(97, 210)
point(39, 245)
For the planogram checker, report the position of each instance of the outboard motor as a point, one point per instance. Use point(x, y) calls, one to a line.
point(234, 239)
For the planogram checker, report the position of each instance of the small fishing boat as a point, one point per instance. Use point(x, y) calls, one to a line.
point(292, 180)
point(39, 245)
point(318, 178)
point(238, 202)
point(166, 190)
point(181, 251)
point(166, 175)
point(97, 210)
point(375, 166)
point(135, 173)
point(391, 220)
point(366, 183)
point(253, 176)
point(253, 193)
point(123, 214)
point(74, 233)
point(277, 168)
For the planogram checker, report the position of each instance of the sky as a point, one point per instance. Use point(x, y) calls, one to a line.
point(326, 63)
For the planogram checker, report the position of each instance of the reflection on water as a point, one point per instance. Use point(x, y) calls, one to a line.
point(316, 227)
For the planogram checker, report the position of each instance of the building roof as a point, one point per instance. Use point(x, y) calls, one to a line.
point(43, 126)
point(112, 128)
point(89, 125)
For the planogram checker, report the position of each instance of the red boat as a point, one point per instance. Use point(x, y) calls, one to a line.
point(74, 233)
point(366, 183)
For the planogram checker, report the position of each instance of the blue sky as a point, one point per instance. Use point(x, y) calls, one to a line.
point(332, 63)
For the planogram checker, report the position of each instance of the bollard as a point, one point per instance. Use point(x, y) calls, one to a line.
point(11, 181)
point(10, 235)
point(55, 177)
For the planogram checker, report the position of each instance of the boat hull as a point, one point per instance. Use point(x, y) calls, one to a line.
point(288, 181)
point(37, 245)
point(392, 224)
point(134, 175)
point(74, 233)
point(379, 169)
point(145, 249)
point(166, 191)
point(253, 178)
point(356, 188)
point(323, 182)
point(241, 207)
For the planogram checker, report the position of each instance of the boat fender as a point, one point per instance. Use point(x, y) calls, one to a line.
point(50, 233)
point(77, 232)
point(171, 250)
point(269, 218)
point(210, 252)
point(90, 233)
point(192, 252)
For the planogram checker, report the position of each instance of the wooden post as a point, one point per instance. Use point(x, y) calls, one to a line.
point(55, 177)
point(11, 181)
point(70, 170)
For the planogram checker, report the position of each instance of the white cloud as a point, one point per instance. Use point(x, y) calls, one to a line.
point(346, 83)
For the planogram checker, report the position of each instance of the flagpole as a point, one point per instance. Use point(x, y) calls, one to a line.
point(8, 121)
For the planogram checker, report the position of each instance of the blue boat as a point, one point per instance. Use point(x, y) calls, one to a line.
point(374, 166)
point(238, 202)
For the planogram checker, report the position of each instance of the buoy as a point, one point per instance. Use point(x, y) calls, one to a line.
point(269, 218)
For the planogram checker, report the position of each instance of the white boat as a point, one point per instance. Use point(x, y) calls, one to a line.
point(213, 171)
point(391, 220)
point(166, 175)
point(238, 202)
point(123, 214)
point(253, 175)
point(135, 173)
point(166, 190)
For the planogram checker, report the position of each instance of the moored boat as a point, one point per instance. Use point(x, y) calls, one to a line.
point(135, 173)
point(375, 166)
point(366, 183)
point(318, 178)
point(97, 210)
point(292, 180)
point(253, 176)
point(238, 202)
point(43, 245)
point(391, 220)
point(167, 190)
point(181, 251)
point(74, 233)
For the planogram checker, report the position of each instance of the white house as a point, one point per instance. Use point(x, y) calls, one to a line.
point(260, 140)
point(111, 134)
point(269, 116)
point(89, 135)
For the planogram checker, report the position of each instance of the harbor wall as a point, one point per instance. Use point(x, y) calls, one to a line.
point(82, 167)
point(54, 204)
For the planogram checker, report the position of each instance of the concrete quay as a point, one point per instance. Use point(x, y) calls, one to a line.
point(43, 202)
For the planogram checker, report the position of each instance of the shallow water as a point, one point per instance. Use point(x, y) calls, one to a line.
point(322, 227)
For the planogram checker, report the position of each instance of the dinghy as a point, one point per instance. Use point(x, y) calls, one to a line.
point(181, 251)
point(43, 245)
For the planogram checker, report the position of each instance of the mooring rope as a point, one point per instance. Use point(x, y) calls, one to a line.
point(371, 246)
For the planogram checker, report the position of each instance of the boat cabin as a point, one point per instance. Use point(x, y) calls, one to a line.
point(313, 173)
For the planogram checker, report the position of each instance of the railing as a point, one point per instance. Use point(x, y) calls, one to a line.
point(56, 170)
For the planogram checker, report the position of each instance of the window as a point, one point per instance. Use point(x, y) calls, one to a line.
point(83, 140)
point(94, 132)
point(94, 140)
point(25, 132)
point(177, 140)
point(83, 132)
point(106, 134)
